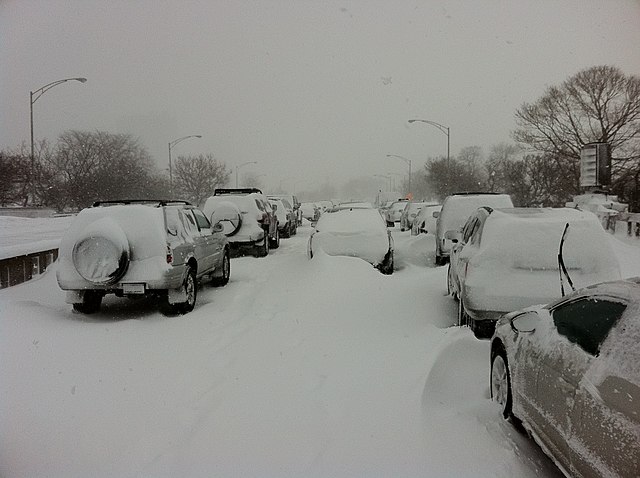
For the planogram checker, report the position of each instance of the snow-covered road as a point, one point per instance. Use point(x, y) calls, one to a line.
point(295, 368)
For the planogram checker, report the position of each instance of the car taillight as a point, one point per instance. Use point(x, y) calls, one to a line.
point(264, 220)
point(169, 255)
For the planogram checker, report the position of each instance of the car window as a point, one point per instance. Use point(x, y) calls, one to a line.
point(476, 232)
point(201, 219)
point(468, 229)
point(175, 224)
point(189, 223)
point(587, 321)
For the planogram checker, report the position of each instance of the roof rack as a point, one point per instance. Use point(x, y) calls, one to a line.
point(156, 202)
point(223, 191)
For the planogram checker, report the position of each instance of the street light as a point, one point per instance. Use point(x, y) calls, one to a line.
point(171, 145)
point(408, 161)
point(445, 130)
point(240, 165)
point(33, 97)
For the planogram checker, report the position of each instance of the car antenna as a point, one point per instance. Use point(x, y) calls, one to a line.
point(561, 267)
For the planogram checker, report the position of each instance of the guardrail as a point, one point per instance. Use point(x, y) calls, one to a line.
point(19, 269)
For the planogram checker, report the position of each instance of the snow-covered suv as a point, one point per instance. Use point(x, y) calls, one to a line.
point(140, 247)
point(247, 218)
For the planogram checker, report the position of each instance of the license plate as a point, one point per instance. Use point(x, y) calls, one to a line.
point(133, 288)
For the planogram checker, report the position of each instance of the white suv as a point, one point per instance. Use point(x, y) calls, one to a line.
point(141, 247)
point(248, 219)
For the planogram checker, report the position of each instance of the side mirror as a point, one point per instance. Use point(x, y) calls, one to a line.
point(436, 214)
point(525, 323)
point(453, 236)
point(217, 227)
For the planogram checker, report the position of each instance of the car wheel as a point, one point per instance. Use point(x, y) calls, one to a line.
point(226, 272)
point(263, 250)
point(501, 382)
point(229, 215)
point(463, 317)
point(91, 301)
point(450, 290)
point(190, 286)
point(275, 243)
point(101, 254)
point(387, 265)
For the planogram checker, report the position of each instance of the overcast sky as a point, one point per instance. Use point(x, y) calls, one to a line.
point(313, 91)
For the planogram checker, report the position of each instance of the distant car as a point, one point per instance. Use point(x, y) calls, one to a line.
point(293, 200)
point(310, 211)
point(292, 211)
point(141, 247)
point(409, 213)
point(324, 205)
point(569, 372)
point(248, 219)
point(394, 211)
point(455, 211)
point(506, 259)
point(284, 215)
point(424, 222)
point(355, 232)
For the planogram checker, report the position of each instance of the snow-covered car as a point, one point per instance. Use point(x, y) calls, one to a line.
point(285, 216)
point(455, 211)
point(394, 211)
point(354, 232)
point(424, 222)
point(310, 211)
point(292, 211)
point(136, 248)
point(410, 212)
point(506, 259)
point(569, 372)
point(248, 220)
point(293, 200)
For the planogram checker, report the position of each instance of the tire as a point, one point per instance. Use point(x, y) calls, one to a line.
point(463, 317)
point(263, 250)
point(500, 382)
point(190, 286)
point(275, 243)
point(450, 290)
point(91, 301)
point(226, 272)
point(387, 265)
point(101, 253)
point(229, 215)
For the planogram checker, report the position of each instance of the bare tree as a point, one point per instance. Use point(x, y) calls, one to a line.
point(597, 104)
point(195, 177)
point(88, 166)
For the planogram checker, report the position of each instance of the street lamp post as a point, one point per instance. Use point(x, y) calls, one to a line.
point(33, 97)
point(408, 161)
point(445, 130)
point(171, 145)
point(240, 165)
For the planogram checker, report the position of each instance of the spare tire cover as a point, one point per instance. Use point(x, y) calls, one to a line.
point(101, 253)
point(229, 215)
